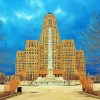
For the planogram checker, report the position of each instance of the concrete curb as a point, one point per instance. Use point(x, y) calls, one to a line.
point(11, 95)
point(98, 97)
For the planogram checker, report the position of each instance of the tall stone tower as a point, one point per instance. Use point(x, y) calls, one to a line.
point(49, 22)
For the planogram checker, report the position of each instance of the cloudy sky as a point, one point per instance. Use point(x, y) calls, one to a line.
point(22, 20)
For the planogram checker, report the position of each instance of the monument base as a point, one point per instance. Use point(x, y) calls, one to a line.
point(49, 80)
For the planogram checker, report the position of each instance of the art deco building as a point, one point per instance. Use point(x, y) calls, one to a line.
point(66, 60)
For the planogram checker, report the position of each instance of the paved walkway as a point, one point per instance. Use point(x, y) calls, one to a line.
point(53, 93)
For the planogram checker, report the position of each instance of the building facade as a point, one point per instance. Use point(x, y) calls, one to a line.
point(66, 60)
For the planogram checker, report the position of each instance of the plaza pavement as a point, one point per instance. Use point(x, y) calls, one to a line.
point(53, 93)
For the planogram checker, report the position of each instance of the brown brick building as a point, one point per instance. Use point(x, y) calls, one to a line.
point(65, 58)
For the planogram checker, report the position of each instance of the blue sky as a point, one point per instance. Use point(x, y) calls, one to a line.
point(22, 20)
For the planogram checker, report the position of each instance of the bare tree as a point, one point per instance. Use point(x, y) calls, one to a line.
point(3, 78)
point(91, 36)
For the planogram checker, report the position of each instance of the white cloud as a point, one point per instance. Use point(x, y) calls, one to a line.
point(70, 17)
point(3, 19)
point(59, 11)
point(37, 3)
point(37, 7)
point(40, 4)
point(24, 15)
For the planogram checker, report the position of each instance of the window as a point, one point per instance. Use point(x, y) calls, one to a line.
point(49, 22)
point(32, 44)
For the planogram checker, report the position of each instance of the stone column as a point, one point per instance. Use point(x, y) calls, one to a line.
point(50, 68)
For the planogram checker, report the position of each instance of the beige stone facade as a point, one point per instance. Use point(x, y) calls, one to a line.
point(65, 58)
point(20, 61)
